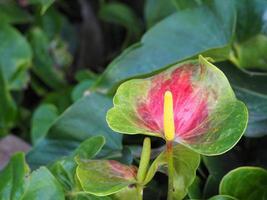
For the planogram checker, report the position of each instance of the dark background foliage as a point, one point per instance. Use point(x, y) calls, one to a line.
point(60, 63)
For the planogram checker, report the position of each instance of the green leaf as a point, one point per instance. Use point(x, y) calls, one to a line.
point(42, 185)
point(103, 177)
point(42, 4)
point(194, 191)
point(15, 57)
point(10, 12)
point(8, 107)
point(121, 14)
point(84, 119)
point(128, 193)
point(251, 89)
point(156, 10)
point(222, 197)
point(138, 107)
point(246, 183)
point(43, 118)
point(251, 53)
point(64, 169)
point(80, 90)
point(186, 163)
point(44, 66)
point(174, 39)
point(251, 39)
point(12, 178)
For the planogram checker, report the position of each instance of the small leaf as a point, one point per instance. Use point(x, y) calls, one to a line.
point(186, 163)
point(8, 107)
point(43, 118)
point(44, 66)
point(207, 116)
point(15, 57)
point(64, 169)
point(246, 183)
point(104, 177)
point(42, 4)
point(12, 178)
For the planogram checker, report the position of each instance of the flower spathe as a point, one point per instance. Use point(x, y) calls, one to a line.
point(205, 110)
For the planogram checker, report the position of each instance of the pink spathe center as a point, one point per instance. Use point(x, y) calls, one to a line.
point(189, 103)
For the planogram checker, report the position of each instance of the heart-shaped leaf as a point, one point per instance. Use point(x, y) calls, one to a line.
point(104, 177)
point(246, 183)
point(207, 116)
point(185, 163)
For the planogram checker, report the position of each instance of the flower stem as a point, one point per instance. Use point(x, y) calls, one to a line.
point(143, 165)
point(170, 169)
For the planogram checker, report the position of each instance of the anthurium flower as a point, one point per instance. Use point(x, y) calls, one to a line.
point(194, 96)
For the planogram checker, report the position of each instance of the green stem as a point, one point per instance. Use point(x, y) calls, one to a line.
point(139, 189)
point(170, 169)
point(143, 166)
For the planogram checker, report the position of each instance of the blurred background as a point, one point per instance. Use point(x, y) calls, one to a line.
point(61, 61)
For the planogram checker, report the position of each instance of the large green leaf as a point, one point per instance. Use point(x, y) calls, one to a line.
point(42, 119)
point(104, 177)
point(246, 183)
point(84, 119)
point(42, 185)
point(12, 178)
point(138, 107)
point(15, 57)
point(180, 36)
point(185, 164)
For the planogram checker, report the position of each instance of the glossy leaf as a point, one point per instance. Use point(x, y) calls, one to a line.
point(12, 178)
point(15, 57)
point(174, 39)
point(246, 183)
point(185, 164)
point(84, 119)
point(207, 116)
point(43, 118)
point(104, 177)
